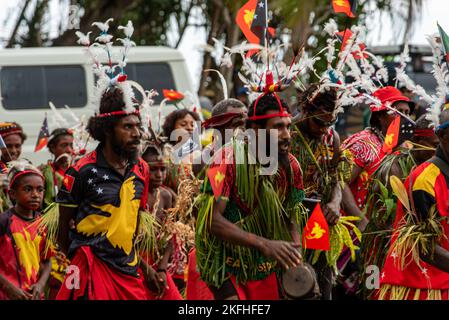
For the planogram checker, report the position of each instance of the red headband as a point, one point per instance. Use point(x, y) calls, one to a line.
point(116, 113)
point(11, 132)
point(282, 112)
point(220, 120)
point(424, 133)
point(22, 173)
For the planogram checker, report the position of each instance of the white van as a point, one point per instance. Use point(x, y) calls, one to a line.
point(32, 77)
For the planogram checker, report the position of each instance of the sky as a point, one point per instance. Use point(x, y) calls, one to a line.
point(380, 33)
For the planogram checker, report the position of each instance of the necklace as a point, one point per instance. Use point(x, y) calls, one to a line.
point(378, 133)
point(123, 166)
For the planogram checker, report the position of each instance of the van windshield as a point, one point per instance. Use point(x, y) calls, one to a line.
point(157, 76)
point(32, 87)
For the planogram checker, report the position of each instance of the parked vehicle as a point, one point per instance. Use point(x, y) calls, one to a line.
point(30, 78)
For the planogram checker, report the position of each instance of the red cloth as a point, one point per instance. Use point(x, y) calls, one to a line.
point(266, 289)
point(171, 292)
point(426, 178)
point(101, 281)
point(196, 289)
point(22, 250)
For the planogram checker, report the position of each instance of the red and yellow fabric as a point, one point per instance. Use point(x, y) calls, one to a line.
point(365, 148)
point(345, 6)
point(22, 251)
point(429, 188)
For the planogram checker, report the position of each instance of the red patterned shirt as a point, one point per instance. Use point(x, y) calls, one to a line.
point(366, 150)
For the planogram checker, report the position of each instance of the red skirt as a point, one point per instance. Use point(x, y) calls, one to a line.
point(196, 289)
point(98, 281)
point(266, 289)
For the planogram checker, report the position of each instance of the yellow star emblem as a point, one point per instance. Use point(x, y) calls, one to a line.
point(219, 178)
point(389, 139)
point(249, 17)
point(342, 3)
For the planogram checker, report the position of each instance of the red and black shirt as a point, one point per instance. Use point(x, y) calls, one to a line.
point(108, 205)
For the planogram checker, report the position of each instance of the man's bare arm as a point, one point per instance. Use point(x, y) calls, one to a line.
point(440, 258)
point(284, 252)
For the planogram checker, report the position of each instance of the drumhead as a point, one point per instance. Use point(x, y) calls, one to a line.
point(299, 282)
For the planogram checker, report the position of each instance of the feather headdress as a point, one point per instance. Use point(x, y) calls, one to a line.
point(112, 73)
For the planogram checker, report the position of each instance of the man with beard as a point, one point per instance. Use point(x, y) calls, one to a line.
point(251, 238)
point(103, 194)
point(228, 114)
point(317, 147)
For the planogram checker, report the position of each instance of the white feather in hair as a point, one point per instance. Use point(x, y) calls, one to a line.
point(331, 27)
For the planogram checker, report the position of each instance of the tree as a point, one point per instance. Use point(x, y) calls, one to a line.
point(153, 19)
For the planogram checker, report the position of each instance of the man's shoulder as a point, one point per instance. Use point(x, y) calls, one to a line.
point(293, 160)
point(141, 169)
point(294, 164)
point(86, 161)
point(166, 193)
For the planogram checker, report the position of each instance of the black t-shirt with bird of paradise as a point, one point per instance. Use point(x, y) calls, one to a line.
point(108, 205)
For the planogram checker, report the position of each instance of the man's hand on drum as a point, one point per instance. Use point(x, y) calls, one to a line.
point(286, 253)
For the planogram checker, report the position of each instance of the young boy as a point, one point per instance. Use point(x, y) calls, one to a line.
point(24, 263)
point(161, 198)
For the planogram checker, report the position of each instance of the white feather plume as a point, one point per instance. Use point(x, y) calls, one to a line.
point(83, 39)
point(58, 117)
point(128, 30)
point(331, 27)
point(103, 26)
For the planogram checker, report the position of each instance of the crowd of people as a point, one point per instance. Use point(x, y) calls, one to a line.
point(161, 215)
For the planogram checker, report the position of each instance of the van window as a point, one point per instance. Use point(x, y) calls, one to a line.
point(32, 87)
point(155, 76)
